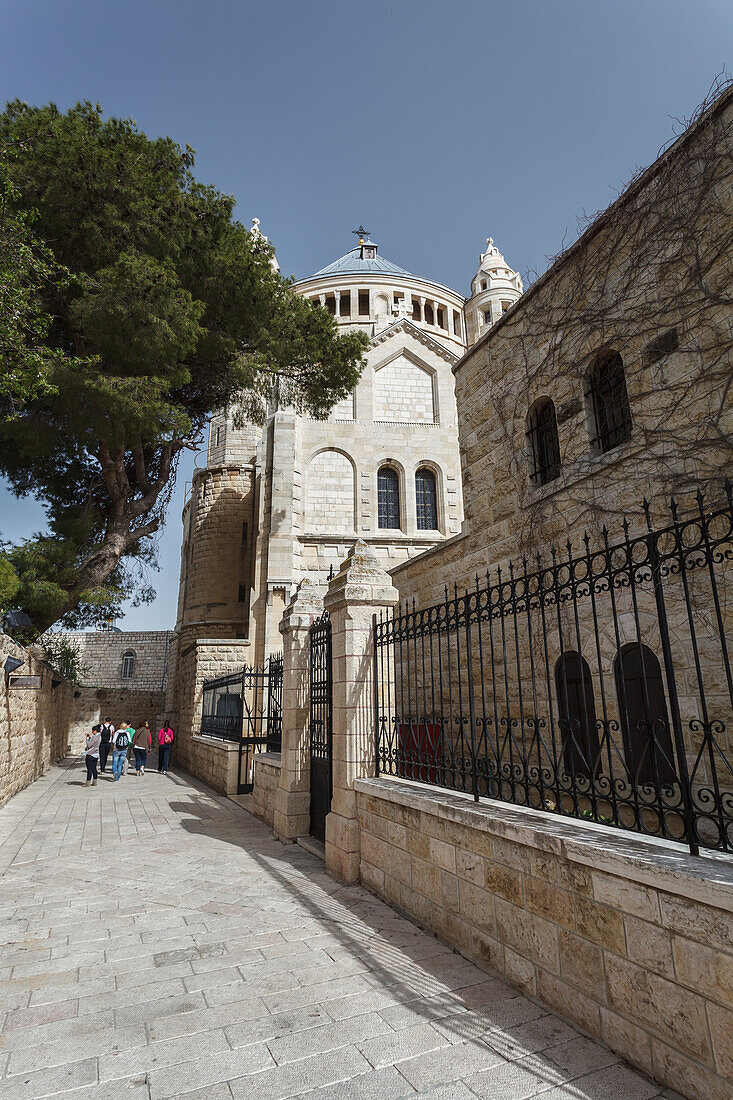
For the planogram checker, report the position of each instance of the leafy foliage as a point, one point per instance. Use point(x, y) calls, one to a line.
point(154, 309)
point(61, 653)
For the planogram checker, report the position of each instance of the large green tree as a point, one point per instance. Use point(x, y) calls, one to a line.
point(157, 308)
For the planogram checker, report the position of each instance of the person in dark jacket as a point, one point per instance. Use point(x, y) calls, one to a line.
point(106, 732)
point(142, 743)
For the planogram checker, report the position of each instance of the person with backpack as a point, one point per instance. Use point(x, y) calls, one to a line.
point(142, 743)
point(120, 745)
point(106, 732)
point(91, 756)
point(166, 737)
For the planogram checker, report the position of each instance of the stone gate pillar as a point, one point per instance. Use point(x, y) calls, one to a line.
point(292, 801)
point(360, 588)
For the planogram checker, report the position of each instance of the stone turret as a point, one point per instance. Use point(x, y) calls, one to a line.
point(494, 288)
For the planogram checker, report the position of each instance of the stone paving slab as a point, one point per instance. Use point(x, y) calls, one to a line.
point(156, 942)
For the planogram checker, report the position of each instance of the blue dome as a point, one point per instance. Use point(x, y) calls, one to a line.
point(354, 263)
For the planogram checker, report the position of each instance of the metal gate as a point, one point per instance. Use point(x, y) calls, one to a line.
point(246, 707)
point(321, 728)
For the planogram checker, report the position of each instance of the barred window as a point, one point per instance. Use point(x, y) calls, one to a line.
point(544, 444)
point(609, 402)
point(388, 498)
point(128, 665)
point(427, 500)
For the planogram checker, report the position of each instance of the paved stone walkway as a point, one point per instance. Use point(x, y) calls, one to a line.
point(157, 942)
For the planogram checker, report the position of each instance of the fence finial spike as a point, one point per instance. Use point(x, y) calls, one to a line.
point(647, 512)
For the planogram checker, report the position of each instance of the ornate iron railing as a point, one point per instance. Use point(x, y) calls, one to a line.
point(594, 683)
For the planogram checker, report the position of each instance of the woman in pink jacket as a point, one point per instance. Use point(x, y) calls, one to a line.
point(166, 737)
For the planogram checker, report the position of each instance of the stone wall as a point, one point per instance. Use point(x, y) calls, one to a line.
point(267, 768)
point(214, 762)
point(404, 391)
point(102, 651)
point(93, 705)
point(639, 282)
point(330, 493)
point(34, 722)
point(629, 939)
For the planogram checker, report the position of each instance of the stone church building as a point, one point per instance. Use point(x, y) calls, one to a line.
point(278, 503)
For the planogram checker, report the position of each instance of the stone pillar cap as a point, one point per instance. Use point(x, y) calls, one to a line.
point(361, 580)
point(307, 601)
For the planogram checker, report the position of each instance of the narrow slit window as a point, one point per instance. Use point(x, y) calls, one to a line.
point(544, 444)
point(609, 403)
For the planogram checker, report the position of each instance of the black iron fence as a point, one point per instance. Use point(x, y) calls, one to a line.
point(321, 724)
point(594, 682)
point(246, 707)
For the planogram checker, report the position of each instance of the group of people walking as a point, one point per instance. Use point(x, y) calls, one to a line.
point(105, 739)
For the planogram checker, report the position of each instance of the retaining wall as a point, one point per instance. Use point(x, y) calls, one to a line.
point(629, 938)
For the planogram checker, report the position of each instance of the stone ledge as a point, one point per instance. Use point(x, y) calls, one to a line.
point(648, 860)
point(271, 759)
point(215, 743)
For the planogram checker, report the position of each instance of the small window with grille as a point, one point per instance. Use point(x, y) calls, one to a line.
point(609, 403)
point(128, 665)
point(345, 304)
point(388, 498)
point(363, 303)
point(426, 499)
point(544, 444)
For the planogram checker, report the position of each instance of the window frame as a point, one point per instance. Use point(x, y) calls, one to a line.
point(543, 442)
point(422, 505)
point(609, 409)
point(128, 656)
point(389, 509)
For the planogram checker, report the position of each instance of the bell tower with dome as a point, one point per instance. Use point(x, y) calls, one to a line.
point(494, 289)
point(278, 503)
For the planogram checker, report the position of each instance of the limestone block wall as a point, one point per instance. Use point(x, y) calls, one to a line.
point(267, 767)
point(216, 557)
point(93, 705)
point(403, 391)
point(34, 722)
point(215, 763)
point(102, 653)
point(630, 940)
point(330, 493)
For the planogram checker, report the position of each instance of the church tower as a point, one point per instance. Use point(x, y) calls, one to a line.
point(494, 289)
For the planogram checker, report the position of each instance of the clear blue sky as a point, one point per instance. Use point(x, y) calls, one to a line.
point(434, 124)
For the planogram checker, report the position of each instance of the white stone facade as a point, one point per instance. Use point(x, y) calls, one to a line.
point(278, 504)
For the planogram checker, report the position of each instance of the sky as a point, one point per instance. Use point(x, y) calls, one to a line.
point(433, 124)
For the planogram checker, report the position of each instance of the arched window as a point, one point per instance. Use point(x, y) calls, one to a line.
point(609, 402)
point(388, 498)
point(128, 665)
point(577, 714)
point(643, 713)
point(426, 498)
point(544, 444)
